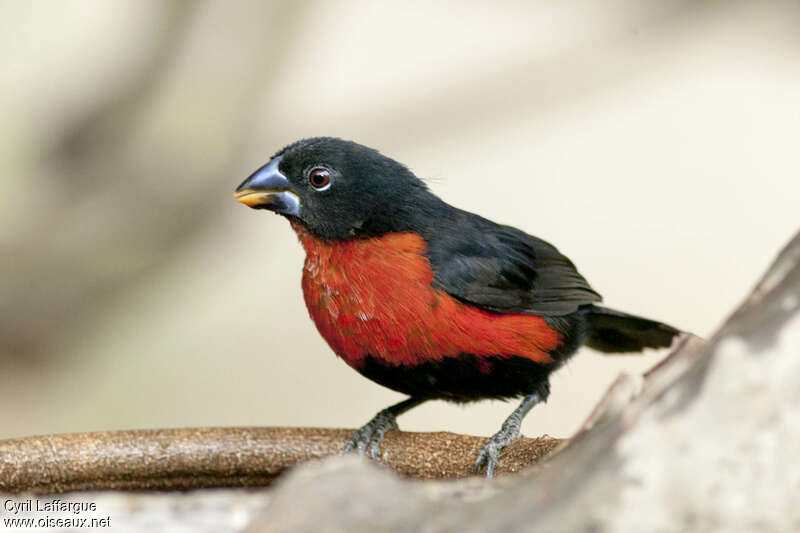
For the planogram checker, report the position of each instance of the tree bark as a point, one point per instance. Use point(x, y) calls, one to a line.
point(227, 457)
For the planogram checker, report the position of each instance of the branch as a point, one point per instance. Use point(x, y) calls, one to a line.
point(226, 457)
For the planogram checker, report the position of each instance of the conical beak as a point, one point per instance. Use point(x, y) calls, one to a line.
point(268, 188)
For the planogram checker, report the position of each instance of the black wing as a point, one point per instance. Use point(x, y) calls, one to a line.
point(503, 269)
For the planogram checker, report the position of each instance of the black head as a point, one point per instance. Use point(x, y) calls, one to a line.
point(337, 189)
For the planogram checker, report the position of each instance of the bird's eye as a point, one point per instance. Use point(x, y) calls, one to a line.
point(320, 178)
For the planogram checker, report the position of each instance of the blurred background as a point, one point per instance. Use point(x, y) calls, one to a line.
point(655, 143)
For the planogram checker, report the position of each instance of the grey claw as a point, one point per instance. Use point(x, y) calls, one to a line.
point(374, 450)
point(489, 456)
point(368, 439)
point(362, 447)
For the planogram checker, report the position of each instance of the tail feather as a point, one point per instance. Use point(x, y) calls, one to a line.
point(612, 331)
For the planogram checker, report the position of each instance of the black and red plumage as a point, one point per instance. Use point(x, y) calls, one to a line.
point(427, 299)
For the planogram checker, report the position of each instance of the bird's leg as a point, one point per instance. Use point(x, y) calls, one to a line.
point(368, 438)
point(490, 454)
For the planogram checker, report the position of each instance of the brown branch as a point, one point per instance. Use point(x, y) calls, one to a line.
point(226, 457)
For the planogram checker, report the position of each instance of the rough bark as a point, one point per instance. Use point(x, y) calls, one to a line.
point(226, 457)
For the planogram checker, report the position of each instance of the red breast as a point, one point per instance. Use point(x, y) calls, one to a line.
point(374, 297)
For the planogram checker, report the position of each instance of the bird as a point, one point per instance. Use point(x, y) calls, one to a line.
point(427, 299)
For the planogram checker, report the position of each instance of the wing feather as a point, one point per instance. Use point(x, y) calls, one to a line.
point(503, 269)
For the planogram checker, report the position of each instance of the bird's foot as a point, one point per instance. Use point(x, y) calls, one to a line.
point(490, 454)
point(368, 438)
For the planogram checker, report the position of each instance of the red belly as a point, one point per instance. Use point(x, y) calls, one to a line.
point(374, 297)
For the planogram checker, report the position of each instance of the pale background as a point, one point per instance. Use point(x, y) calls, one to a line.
point(655, 143)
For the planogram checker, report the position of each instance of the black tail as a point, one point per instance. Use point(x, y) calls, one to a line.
point(612, 331)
